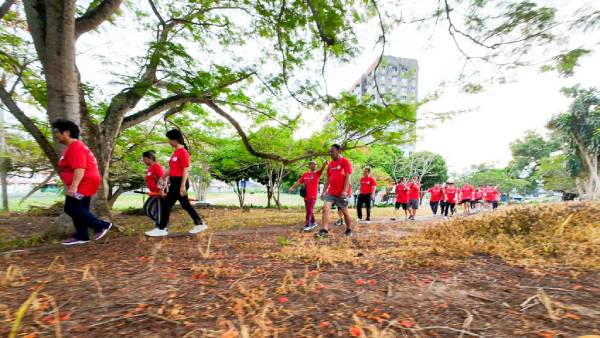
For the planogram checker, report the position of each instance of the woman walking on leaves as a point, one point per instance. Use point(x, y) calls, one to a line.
point(310, 183)
point(178, 178)
point(157, 188)
point(79, 172)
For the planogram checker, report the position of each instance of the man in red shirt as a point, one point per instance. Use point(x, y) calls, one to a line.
point(336, 189)
point(466, 196)
point(450, 196)
point(310, 181)
point(414, 197)
point(79, 172)
point(367, 193)
point(477, 198)
point(154, 172)
point(401, 191)
point(435, 196)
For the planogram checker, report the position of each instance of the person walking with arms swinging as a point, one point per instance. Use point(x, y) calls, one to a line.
point(178, 178)
point(310, 183)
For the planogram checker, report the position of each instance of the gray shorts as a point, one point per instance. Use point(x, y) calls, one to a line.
point(413, 204)
point(341, 203)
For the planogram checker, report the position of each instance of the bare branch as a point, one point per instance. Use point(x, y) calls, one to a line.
point(6, 7)
point(156, 12)
point(94, 17)
point(30, 126)
point(38, 187)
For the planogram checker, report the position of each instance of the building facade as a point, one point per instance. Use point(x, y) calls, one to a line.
point(398, 81)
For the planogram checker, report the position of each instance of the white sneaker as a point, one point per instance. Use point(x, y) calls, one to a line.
point(156, 232)
point(198, 228)
point(368, 222)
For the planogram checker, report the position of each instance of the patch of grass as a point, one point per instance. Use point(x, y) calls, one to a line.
point(554, 234)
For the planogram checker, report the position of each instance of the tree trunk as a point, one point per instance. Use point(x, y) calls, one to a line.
point(269, 196)
point(3, 163)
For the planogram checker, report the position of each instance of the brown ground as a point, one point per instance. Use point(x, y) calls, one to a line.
point(268, 280)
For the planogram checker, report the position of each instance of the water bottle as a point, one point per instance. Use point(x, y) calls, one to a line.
point(78, 196)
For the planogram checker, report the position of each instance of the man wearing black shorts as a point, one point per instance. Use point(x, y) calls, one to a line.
point(401, 191)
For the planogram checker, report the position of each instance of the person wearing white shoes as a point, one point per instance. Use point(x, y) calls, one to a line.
point(177, 174)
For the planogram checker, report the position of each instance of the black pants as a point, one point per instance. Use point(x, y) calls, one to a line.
point(79, 210)
point(434, 207)
point(173, 196)
point(366, 200)
point(449, 206)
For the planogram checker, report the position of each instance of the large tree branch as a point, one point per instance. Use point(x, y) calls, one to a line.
point(35, 11)
point(94, 17)
point(173, 101)
point(30, 126)
point(5, 7)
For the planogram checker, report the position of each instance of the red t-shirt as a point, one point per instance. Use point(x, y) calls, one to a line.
point(79, 156)
point(451, 193)
point(466, 192)
point(179, 160)
point(153, 174)
point(367, 185)
point(478, 194)
point(337, 172)
point(491, 194)
point(414, 191)
point(436, 194)
point(401, 193)
point(311, 182)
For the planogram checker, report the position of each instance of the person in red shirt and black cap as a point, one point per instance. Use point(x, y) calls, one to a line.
point(367, 193)
point(310, 180)
point(178, 176)
point(337, 189)
point(79, 172)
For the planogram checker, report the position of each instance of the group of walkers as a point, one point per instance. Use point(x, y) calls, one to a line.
point(79, 172)
point(444, 197)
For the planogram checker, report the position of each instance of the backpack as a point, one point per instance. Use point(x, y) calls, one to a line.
point(153, 208)
point(303, 191)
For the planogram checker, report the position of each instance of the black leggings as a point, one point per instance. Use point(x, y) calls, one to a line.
point(366, 200)
point(448, 206)
point(434, 207)
point(173, 196)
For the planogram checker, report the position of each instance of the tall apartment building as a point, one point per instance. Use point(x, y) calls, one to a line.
point(398, 80)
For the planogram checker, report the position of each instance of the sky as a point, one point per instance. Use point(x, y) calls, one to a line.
point(491, 120)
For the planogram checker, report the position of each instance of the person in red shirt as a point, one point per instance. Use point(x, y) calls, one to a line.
point(450, 197)
point(435, 196)
point(368, 187)
point(491, 195)
point(177, 175)
point(78, 169)
point(414, 197)
point(154, 172)
point(310, 181)
point(401, 191)
point(336, 189)
point(466, 196)
point(477, 198)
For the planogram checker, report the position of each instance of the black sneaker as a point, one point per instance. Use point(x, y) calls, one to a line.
point(322, 234)
point(348, 232)
point(393, 218)
point(339, 222)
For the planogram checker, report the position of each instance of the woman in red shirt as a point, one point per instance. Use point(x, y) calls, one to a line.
point(79, 172)
point(178, 174)
point(310, 180)
point(450, 198)
point(154, 172)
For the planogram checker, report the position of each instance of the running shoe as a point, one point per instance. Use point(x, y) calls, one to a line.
point(339, 222)
point(393, 218)
point(309, 227)
point(156, 232)
point(348, 232)
point(198, 228)
point(322, 234)
point(73, 241)
point(368, 221)
point(102, 233)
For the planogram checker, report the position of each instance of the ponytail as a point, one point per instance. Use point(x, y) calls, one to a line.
point(177, 135)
